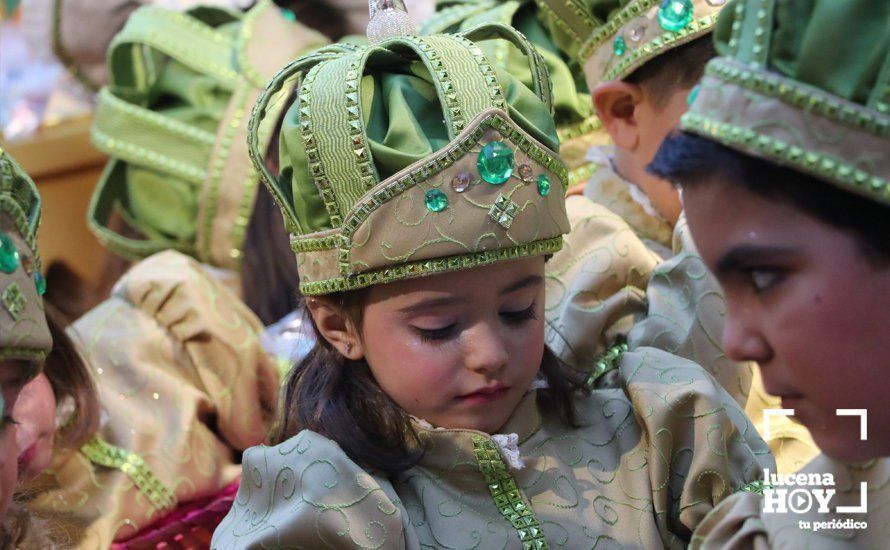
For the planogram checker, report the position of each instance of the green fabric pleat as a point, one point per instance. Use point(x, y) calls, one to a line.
point(811, 42)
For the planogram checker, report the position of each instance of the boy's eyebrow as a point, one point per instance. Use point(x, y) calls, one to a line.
point(531, 280)
point(746, 254)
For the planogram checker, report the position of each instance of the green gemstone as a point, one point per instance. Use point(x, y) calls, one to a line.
point(619, 46)
point(9, 256)
point(543, 185)
point(436, 201)
point(693, 94)
point(495, 163)
point(674, 15)
point(40, 283)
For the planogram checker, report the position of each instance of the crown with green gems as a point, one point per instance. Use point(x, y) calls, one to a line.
point(613, 38)
point(173, 119)
point(412, 157)
point(24, 333)
point(577, 125)
point(783, 90)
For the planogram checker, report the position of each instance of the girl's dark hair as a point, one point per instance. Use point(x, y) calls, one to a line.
point(270, 284)
point(339, 399)
point(689, 161)
point(72, 386)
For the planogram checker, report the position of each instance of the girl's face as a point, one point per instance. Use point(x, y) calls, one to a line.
point(11, 383)
point(460, 349)
point(35, 414)
point(805, 303)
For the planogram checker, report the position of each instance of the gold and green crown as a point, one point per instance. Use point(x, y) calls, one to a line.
point(782, 89)
point(174, 122)
point(612, 38)
point(23, 330)
point(577, 125)
point(412, 157)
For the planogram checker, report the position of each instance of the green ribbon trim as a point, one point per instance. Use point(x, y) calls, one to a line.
point(506, 495)
point(110, 456)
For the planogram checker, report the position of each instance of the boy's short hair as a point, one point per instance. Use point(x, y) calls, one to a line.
point(689, 161)
point(679, 68)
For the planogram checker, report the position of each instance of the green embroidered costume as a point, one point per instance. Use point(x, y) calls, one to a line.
point(374, 192)
point(799, 100)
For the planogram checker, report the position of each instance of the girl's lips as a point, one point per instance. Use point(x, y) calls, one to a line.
point(28, 455)
point(485, 395)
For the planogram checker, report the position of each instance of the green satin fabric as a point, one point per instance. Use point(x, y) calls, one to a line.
point(571, 100)
point(403, 119)
point(812, 42)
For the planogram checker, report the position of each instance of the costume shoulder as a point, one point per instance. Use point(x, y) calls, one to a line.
point(686, 313)
point(168, 321)
point(748, 520)
point(306, 493)
point(700, 447)
point(595, 284)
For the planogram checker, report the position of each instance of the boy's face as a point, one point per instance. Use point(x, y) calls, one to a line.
point(805, 303)
point(637, 123)
point(460, 349)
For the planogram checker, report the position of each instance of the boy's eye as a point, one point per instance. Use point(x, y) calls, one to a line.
point(764, 278)
point(8, 420)
point(518, 317)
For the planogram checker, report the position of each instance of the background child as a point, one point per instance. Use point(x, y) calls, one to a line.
point(25, 338)
point(639, 278)
point(430, 413)
point(792, 131)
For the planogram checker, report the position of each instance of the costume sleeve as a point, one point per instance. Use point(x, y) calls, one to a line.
point(700, 449)
point(184, 386)
point(685, 316)
point(595, 284)
point(306, 493)
point(217, 337)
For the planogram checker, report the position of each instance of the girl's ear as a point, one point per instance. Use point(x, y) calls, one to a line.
point(336, 328)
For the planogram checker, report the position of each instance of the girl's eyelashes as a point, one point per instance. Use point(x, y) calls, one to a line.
point(8, 420)
point(521, 316)
point(436, 334)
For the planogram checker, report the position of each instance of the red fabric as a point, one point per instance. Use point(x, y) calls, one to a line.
point(189, 526)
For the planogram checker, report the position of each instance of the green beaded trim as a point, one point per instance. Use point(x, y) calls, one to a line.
point(14, 209)
point(316, 168)
point(433, 60)
point(315, 244)
point(7, 352)
point(105, 454)
point(659, 45)
point(582, 173)
point(586, 126)
point(609, 361)
point(770, 147)
point(572, 12)
point(431, 267)
point(614, 24)
point(183, 37)
point(756, 487)
point(425, 268)
point(495, 92)
point(239, 98)
point(800, 96)
point(506, 495)
point(736, 34)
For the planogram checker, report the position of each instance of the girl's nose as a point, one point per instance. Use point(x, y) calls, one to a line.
point(485, 350)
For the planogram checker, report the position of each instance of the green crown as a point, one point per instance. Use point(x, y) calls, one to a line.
point(413, 157)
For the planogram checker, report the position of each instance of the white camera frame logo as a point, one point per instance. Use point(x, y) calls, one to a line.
point(800, 500)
